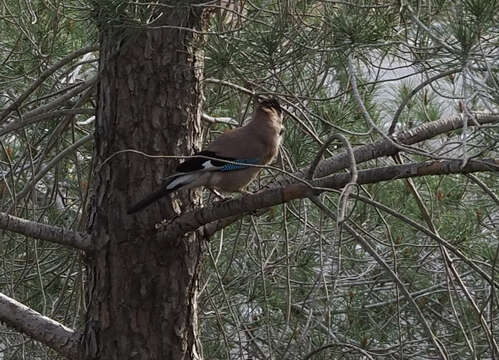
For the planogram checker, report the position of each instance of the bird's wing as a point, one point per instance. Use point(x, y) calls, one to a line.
point(212, 161)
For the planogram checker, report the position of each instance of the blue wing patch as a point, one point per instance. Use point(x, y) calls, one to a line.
point(239, 164)
point(219, 163)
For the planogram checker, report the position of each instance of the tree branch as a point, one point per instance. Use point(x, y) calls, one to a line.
point(219, 120)
point(51, 233)
point(414, 91)
point(384, 148)
point(39, 327)
point(62, 99)
point(192, 220)
point(29, 186)
point(45, 75)
point(374, 254)
point(362, 154)
point(15, 125)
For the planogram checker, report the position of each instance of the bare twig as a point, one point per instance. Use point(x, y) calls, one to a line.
point(62, 99)
point(451, 269)
point(52, 163)
point(219, 120)
point(318, 157)
point(361, 104)
point(484, 187)
point(43, 76)
point(414, 91)
point(339, 345)
point(371, 251)
point(347, 190)
point(20, 123)
point(432, 235)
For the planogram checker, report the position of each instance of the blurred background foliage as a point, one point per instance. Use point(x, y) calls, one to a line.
point(288, 284)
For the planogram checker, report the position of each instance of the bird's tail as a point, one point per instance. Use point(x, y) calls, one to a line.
point(171, 184)
point(148, 200)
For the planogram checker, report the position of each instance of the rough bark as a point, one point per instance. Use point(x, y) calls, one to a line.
point(142, 292)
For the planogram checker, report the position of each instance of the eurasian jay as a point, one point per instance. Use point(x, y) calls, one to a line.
point(256, 143)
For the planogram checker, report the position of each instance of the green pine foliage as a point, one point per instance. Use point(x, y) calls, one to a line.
point(291, 281)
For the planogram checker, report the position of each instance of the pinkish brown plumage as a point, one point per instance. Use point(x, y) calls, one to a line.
point(256, 143)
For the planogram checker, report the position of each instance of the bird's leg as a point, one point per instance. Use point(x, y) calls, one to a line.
point(220, 195)
point(245, 192)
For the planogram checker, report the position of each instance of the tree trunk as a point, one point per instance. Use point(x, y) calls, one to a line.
point(141, 291)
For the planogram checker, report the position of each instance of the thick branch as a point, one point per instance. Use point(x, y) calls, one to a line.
point(45, 232)
point(362, 154)
point(267, 198)
point(41, 328)
point(371, 151)
point(384, 148)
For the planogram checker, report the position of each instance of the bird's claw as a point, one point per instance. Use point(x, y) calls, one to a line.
point(165, 222)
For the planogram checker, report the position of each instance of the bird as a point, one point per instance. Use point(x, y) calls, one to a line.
point(226, 163)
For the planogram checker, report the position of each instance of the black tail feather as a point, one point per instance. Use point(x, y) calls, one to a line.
point(148, 200)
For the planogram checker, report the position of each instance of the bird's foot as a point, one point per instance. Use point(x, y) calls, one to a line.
point(220, 196)
point(165, 222)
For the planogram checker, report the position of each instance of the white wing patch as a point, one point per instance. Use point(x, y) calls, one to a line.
point(208, 165)
point(181, 180)
point(184, 178)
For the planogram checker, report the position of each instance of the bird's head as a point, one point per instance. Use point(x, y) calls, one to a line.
point(271, 104)
point(270, 113)
point(271, 108)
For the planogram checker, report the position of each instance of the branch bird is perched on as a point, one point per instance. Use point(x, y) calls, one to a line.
point(231, 156)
